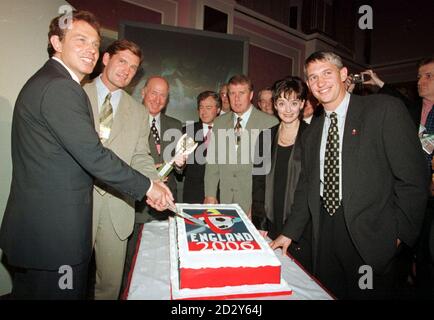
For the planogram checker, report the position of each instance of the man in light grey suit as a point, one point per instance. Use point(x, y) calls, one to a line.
point(234, 134)
point(113, 213)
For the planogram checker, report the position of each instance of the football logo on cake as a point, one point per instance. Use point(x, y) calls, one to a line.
point(226, 231)
point(217, 221)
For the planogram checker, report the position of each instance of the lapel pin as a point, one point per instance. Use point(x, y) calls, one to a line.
point(354, 132)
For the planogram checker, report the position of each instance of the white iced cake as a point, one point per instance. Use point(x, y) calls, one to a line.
point(226, 258)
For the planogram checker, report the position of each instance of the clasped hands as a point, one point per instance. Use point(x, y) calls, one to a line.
point(159, 196)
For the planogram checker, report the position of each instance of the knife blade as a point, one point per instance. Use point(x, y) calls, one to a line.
point(187, 216)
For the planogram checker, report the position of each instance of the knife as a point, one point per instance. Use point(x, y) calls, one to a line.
point(187, 216)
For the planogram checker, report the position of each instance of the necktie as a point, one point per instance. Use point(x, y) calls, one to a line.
point(429, 126)
point(155, 134)
point(105, 123)
point(331, 167)
point(238, 129)
point(208, 135)
point(106, 118)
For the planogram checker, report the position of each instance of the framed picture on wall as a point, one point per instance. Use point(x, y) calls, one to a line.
point(191, 60)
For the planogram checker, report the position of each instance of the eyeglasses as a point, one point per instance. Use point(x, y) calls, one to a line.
point(283, 103)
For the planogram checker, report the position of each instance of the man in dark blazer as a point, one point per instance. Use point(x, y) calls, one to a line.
point(46, 232)
point(373, 201)
point(164, 133)
point(208, 106)
point(420, 110)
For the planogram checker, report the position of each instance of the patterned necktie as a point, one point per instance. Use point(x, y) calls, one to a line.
point(429, 126)
point(155, 135)
point(331, 167)
point(106, 118)
point(238, 129)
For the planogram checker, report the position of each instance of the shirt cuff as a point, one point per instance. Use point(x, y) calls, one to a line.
point(152, 183)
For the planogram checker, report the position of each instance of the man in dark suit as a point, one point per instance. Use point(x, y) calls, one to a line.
point(208, 105)
point(46, 232)
point(363, 183)
point(422, 113)
point(164, 133)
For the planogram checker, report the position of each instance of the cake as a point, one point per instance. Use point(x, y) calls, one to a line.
point(226, 258)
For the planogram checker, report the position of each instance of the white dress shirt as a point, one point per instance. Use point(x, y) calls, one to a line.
point(73, 75)
point(102, 92)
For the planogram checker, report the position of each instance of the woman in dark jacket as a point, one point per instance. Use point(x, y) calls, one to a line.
point(273, 190)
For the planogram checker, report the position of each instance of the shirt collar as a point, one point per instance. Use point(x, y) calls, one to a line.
point(205, 127)
point(102, 91)
point(342, 108)
point(73, 75)
point(157, 118)
point(245, 117)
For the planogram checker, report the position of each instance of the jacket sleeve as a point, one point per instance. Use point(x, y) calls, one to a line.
point(259, 218)
point(142, 160)
point(300, 216)
point(411, 177)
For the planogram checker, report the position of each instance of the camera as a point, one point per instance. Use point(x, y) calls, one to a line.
point(357, 78)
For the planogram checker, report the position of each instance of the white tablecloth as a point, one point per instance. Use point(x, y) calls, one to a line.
point(151, 274)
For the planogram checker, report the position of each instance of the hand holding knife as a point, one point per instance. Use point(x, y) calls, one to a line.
point(187, 216)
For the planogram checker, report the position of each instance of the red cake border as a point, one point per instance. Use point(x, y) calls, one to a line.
point(228, 276)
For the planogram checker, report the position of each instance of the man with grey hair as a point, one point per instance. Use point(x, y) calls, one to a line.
point(363, 183)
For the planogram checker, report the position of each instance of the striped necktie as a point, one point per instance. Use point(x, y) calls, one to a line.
point(208, 136)
point(429, 126)
point(106, 118)
point(238, 130)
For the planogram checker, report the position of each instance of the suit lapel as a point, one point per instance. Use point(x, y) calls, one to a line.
point(163, 128)
point(350, 148)
point(93, 97)
point(313, 144)
point(61, 68)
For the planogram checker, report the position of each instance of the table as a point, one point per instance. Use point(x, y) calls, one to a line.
point(151, 271)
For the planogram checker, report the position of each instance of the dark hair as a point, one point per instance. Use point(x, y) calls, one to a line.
point(288, 86)
point(265, 89)
point(241, 79)
point(124, 44)
point(425, 61)
point(205, 94)
point(55, 28)
point(324, 56)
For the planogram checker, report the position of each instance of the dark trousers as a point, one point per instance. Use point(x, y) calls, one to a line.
point(339, 262)
point(425, 255)
point(33, 284)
